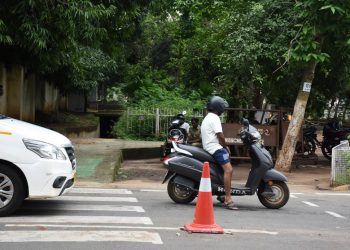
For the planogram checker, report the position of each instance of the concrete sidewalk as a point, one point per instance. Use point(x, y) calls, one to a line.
point(100, 159)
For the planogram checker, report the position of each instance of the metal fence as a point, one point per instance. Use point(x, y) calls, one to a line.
point(341, 164)
point(154, 122)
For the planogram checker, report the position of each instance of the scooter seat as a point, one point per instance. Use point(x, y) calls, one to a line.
point(198, 153)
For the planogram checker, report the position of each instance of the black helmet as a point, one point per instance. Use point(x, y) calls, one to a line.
point(180, 116)
point(217, 104)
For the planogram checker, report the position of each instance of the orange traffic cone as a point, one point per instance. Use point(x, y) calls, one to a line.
point(203, 221)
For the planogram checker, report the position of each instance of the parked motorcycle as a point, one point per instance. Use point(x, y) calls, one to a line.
point(333, 134)
point(310, 141)
point(185, 169)
point(177, 132)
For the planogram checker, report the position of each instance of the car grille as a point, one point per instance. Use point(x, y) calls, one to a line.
point(71, 155)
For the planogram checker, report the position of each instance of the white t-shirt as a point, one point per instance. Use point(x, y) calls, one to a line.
point(211, 125)
point(186, 126)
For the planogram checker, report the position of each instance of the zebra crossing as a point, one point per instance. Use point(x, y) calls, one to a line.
point(82, 215)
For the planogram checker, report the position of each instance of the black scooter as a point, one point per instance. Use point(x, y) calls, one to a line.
point(185, 171)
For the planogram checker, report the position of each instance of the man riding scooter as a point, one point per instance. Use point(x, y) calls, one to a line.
point(213, 141)
point(185, 166)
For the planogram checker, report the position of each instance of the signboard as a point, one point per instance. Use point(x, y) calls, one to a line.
point(307, 87)
point(269, 134)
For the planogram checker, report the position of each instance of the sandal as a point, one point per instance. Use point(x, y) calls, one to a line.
point(221, 198)
point(230, 206)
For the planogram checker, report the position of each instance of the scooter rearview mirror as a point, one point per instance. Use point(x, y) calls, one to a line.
point(245, 123)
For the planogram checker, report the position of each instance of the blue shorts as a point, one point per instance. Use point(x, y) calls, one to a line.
point(222, 156)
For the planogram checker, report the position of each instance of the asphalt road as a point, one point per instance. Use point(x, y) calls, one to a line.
point(148, 219)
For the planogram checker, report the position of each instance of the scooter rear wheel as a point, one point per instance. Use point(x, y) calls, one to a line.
point(280, 198)
point(179, 194)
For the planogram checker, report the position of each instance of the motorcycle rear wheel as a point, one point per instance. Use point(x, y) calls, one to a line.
point(179, 194)
point(326, 149)
point(281, 197)
point(308, 149)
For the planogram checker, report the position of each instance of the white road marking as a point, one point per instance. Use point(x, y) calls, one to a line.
point(93, 198)
point(79, 236)
point(78, 219)
point(310, 204)
point(252, 231)
point(98, 191)
point(335, 214)
point(77, 207)
point(297, 193)
point(94, 226)
point(227, 231)
point(152, 190)
point(293, 196)
point(334, 194)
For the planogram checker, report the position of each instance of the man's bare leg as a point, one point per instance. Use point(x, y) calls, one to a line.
point(227, 182)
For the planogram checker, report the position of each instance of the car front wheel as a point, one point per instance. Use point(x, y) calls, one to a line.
point(11, 190)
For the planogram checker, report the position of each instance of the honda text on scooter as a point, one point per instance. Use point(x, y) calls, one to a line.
point(185, 169)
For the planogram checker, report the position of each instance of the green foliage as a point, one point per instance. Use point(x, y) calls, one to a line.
point(317, 19)
point(171, 53)
point(115, 94)
point(66, 42)
point(68, 120)
point(154, 96)
point(93, 67)
point(343, 178)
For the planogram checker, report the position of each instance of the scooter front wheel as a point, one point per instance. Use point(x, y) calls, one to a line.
point(180, 194)
point(279, 198)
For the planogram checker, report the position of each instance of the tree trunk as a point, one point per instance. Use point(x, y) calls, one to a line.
point(285, 157)
point(336, 109)
point(330, 108)
point(346, 105)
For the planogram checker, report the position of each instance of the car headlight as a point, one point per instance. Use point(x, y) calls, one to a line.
point(44, 150)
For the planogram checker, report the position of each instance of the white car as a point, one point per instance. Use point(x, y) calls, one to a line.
point(35, 162)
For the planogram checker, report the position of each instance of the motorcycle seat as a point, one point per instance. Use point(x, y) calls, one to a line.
point(309, 130)
point(198, 153)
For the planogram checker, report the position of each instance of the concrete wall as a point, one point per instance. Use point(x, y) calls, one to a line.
point(23, 94)
point(76, 102)
point(28, 97)
point(15, 80)
point(3, 101)
point(46, 97)
point(51, 99)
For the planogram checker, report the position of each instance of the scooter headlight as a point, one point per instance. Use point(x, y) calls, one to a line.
point(256, 135)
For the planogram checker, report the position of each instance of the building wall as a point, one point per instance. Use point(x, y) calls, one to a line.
point(23, 94)
point(51, 99)
point(15, 80)
point(3, 84)
point(28, 97)
point(76, 102)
